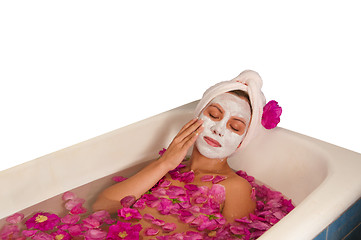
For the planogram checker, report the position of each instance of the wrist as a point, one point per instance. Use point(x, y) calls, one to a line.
point(165, 165)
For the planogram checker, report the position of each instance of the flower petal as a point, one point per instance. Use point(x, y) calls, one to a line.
point(207, 178)
point(15, 218)
point(151, 231)
point(218, 179)
point(169, 227)
point(127, 201)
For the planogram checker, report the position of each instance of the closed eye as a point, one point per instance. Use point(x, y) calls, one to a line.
point(234, 129)
point(212, 116)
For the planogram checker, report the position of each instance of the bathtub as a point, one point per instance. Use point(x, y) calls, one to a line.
point(323, 180)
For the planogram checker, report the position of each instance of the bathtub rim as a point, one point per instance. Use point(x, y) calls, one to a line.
point(317, 198)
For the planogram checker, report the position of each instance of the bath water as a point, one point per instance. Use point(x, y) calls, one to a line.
point(261, 221)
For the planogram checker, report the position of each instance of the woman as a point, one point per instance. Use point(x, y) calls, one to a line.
point(227, 117)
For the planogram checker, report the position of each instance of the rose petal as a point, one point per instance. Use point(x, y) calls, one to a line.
point(70, 219)
point(259, 225)
point(119, 178)
point(161, 152)
point(29, 233)
point(127, 201)
point(218, 179)
point(151, 231)
point(95, 234)
point(15, 218)
point(169, 227)
point(68, 196)
point(78, 209)
point(158, 222)
point(207, 178)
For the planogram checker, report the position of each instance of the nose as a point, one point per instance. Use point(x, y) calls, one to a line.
point(218, 129)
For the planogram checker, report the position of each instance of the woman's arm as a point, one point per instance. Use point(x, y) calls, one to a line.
point(141, 182)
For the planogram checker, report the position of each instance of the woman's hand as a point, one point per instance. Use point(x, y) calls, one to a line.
point(178, 148)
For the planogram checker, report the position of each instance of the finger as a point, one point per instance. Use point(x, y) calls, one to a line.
point(190, 140)
point(187, 125)
point(192, 128)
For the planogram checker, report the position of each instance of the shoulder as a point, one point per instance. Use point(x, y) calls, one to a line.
point(238, 202)
point(236, 182)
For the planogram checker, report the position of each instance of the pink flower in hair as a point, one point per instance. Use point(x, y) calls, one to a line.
point(271, 114)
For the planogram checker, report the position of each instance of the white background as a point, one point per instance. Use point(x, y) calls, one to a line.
point(73, 70)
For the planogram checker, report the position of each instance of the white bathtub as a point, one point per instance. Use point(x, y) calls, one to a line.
point(322, 179)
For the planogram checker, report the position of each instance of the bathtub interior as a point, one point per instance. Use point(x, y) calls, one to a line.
point(286, 161)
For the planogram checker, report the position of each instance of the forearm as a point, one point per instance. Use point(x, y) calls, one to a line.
point(141, 182)
point(136, 185)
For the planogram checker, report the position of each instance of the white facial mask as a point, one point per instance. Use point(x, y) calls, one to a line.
point(226, 141)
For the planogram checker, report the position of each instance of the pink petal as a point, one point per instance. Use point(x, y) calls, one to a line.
point(191, 187)
point(29, 233)
point(207, 178)
point(42, 236)
point(161, 152)
point(140, 203)
point(187, 177)
point(127, 201)
point(165, 183)
point(78, 209)
point(75, 230)
point(148, 216)
point(259, 225)
point(253, 194)
point(69, 205)
point(129, 213)
point(279, 214)
point(119, 178)
point(151, 232)
point(169, 227)
point(8, 230)
point(100, 215)
point(175, 191)
point(237, 230)
point(218, 193)
point(91, 223)
point(95, 234)
point(194, 235)
point(68, 196)
point(158, 222)
point(200, 199)
point(159, 192)
point(218, 179)
point(70, 219)
point(15, 218)
point(243, 220)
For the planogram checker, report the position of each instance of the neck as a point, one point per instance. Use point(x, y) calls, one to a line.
point(200, 163)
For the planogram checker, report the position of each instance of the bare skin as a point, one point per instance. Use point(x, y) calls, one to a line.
point(238, 201)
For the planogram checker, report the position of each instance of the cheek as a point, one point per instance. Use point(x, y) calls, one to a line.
point(207, 122)
point(233, 139)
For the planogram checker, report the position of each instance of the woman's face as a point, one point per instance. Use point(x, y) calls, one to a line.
point(226, 120)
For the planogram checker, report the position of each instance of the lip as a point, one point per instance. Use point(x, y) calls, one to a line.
point(212, 142)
